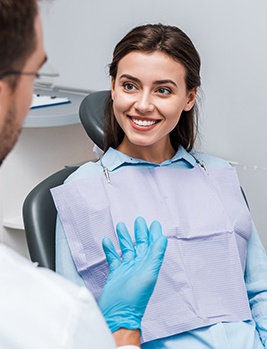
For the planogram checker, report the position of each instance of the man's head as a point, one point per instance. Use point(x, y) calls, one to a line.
point(21, 50)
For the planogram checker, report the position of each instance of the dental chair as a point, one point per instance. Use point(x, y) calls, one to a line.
point(39, 216)
point(91, 115)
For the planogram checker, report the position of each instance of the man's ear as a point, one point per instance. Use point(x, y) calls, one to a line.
point(191, 98)
point(5, 96)
point(1, 86)
point(4, 100)
point(2, 97)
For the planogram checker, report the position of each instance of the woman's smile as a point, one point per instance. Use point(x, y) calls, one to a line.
point(143, 124)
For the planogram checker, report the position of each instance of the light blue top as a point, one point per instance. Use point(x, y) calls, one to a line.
point(240, 335)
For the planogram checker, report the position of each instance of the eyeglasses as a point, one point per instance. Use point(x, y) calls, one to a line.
point(41, 79)
point(37, 74)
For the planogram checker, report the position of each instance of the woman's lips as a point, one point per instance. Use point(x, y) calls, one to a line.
point(143, 122)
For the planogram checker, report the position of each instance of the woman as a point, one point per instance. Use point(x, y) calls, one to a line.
point(211, 292)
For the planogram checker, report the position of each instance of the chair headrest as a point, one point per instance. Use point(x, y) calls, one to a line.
point(91, 114)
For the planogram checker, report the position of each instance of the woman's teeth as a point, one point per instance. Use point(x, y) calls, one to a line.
point(143, 122)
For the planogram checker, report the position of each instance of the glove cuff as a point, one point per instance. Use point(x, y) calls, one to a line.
point(115, 324)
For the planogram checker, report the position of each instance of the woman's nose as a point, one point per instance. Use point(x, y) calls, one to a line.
point(144, 103)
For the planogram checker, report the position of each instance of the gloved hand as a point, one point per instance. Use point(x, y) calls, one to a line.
point(133, 277)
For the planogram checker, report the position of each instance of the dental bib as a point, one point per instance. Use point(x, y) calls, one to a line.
point(207, 223)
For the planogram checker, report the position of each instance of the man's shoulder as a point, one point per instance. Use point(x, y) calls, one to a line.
point(43, 307)
point(15, 268)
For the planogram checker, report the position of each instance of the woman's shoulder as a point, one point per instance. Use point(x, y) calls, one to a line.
point(211, 161)
point(86, 170)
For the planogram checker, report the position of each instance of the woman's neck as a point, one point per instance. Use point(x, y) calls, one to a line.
point(156, 153)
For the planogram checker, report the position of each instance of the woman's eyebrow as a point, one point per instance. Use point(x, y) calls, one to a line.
point(166, 81)
point(157, 82)
point(130, 77)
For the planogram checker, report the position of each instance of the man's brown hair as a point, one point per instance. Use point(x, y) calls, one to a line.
point(17, 35)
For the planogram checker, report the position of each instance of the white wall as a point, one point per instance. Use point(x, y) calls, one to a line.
point(231, 37)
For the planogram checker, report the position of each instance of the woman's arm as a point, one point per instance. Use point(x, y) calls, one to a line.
point(64, 263)
point(127, 339)
point(256, 283)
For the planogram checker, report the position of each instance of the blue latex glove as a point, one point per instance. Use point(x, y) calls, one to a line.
point(133, 277)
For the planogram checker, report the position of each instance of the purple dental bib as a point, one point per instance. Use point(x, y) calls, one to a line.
point(207, 224)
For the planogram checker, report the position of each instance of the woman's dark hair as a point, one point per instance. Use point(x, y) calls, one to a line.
point(17, 35)
point(176, 44)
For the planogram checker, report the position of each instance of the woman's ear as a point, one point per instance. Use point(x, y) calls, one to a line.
point(112, 88)
point(191, 98)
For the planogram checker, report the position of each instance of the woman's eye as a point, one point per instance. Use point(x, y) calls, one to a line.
point(128, 86)
point(164, 91)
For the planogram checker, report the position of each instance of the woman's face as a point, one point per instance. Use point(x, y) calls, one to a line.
point(149, 94)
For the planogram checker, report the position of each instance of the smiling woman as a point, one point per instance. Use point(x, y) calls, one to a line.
point(211, 291)
point(166, 48)
point(149, 94)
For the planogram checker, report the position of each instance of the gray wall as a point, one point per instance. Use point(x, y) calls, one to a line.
point(231, 37)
